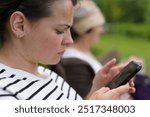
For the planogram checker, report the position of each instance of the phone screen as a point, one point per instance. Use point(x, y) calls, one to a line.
point(125, 75)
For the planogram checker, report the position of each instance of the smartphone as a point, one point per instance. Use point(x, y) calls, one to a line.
point(125, 75)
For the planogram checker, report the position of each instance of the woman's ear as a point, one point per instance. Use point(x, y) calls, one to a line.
point(17, 24)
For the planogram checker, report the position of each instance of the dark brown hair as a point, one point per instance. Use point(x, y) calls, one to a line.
point(32, 9)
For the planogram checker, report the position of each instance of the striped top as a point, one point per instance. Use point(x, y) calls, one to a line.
point(16, 84)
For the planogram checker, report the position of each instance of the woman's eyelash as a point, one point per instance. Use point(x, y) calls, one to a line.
point(60, 32)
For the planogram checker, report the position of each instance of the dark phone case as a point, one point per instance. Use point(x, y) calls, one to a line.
point(125, 75)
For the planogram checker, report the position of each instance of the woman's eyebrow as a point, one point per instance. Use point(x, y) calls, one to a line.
point(64, 25)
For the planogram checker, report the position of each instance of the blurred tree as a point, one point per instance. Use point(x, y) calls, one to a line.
point(110, 8)
point(133, 10)
point(147, 14)
point(124, 10)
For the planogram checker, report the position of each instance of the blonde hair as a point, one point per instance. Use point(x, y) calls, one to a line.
point(87, 15)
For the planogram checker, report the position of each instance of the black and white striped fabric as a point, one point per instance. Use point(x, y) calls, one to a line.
point(20, 85)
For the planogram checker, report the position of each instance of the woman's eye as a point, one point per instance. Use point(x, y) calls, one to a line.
point(60, 32)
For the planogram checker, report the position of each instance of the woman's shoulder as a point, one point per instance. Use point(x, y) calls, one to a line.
point(22, 85)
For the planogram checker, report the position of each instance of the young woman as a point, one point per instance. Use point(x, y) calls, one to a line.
point(79, 65)
point(38, 31)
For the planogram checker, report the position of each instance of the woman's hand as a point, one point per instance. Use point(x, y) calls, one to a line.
point(106, 94)
point(109, 71)
point(106, 74)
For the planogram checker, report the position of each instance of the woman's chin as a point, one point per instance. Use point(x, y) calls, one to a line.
point(52, 62)
point(56, 61)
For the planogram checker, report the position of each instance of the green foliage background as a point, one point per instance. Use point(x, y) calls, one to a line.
point(125, 10)
point(127, 29)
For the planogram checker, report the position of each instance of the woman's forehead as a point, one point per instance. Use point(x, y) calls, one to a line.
point(63, 12)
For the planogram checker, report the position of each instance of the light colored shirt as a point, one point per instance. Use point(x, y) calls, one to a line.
point(21, 85)
point(74, 53)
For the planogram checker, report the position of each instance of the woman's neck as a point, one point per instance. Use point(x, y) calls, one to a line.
point(15, 60)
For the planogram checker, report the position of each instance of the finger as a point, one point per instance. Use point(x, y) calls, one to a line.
point(132, 90)
point(103, 90)
point(108, 65)
point(131, 86)
point(115, 70)
point(131, 83)
point(121, 90)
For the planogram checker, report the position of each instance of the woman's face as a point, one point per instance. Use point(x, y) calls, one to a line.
point(45, 41)
point(95, 34)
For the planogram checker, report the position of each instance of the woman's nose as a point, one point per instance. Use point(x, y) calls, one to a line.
point(68, 39)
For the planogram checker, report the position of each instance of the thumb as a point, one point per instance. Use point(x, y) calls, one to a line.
point(108, 65)
point(122, 89)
